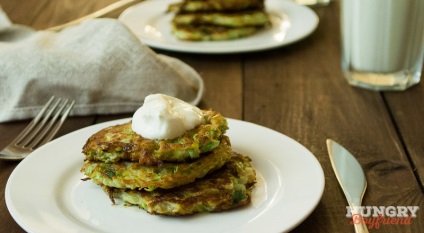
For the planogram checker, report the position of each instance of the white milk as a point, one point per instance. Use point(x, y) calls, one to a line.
point(382, 36)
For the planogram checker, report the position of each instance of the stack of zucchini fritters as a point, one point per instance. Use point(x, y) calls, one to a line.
point(196, 172)
point(212, 20)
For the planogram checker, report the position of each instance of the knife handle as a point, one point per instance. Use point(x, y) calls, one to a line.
point(361, 227)
point(359, 224)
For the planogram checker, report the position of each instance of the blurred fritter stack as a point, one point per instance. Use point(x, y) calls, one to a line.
point(214, 20)
point(196, 172)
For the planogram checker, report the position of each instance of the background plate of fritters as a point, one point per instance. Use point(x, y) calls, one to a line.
point(45, 192)
point(290, 22)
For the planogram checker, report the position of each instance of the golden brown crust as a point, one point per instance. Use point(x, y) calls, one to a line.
point(228, 188)
point(121, 143)
point(216, 5)
point(132, 175)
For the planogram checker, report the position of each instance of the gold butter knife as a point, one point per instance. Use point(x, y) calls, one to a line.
point(352, 180)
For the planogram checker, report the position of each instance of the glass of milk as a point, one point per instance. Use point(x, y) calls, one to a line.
point(383, 43)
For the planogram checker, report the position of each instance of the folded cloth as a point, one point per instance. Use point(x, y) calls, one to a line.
point(100, 64)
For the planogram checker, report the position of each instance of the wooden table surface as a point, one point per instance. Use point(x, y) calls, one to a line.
point(297, 90)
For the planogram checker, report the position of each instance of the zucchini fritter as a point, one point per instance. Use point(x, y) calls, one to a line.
point(227, 188)
point(121, 143)
point(132, 175)
point(210, 32)
point(217, 20)
point(239, 19)
point(216, 5)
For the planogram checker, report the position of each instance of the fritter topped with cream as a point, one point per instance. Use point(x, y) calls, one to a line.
point(121, 143)
point(195, 172)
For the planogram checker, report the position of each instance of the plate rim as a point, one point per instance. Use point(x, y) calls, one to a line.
point(306, 214)
point(192, 48)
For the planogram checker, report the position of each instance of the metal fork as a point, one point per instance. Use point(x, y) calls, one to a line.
point(40, 130)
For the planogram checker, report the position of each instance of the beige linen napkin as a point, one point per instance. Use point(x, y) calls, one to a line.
point(99, 63)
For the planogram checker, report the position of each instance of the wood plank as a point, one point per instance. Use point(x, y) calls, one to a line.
point(299, 90)
point(8, 224)
point(407, 109)
point(223, 80)
point(44, 13)
point(18, 10)
point(59, 12)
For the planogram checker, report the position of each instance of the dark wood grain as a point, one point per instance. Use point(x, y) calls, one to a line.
point(297, 90)
point(300, 91)
point(23, 15)
point(43, 14)
point(407, 109)
point(223, 78)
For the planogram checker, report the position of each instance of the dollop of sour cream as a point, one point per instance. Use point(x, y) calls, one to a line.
point(165, 117)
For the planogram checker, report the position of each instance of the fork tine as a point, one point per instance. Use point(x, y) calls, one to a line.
point(33, 123)
point(36, 133)
point(38, 136)
point(32, 133)
point(59, 124)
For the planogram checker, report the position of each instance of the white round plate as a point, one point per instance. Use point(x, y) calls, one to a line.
point(45, 192)
point(289, 23)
